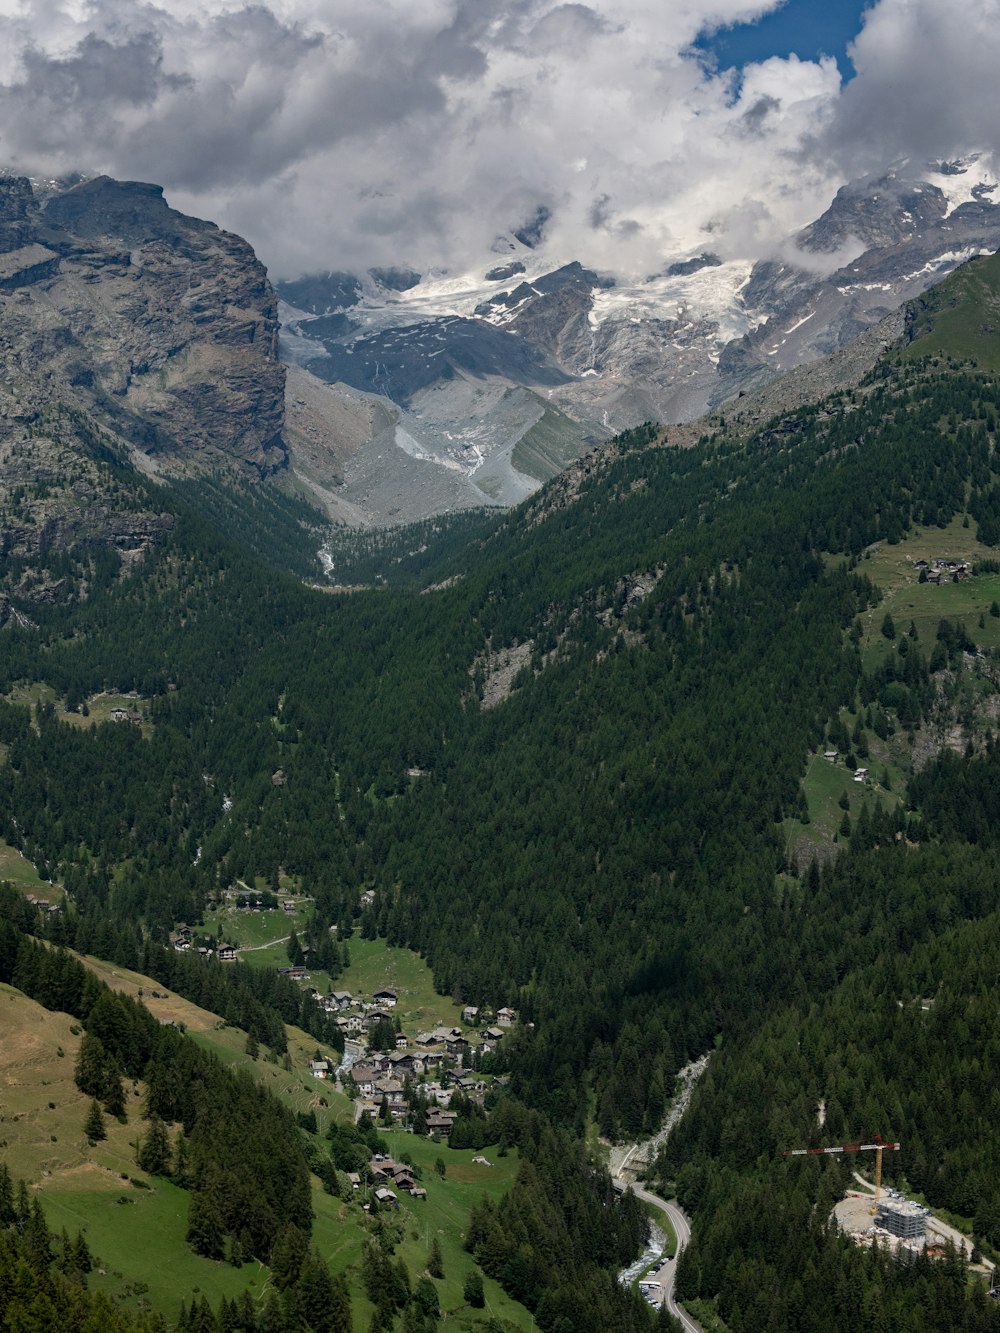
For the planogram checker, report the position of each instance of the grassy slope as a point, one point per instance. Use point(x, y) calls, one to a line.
point(960, 317)
point(443, 1214)
point(91, 1188)
point(374, 966)
point(99, 706)
point(23, 875)
point(893, 570)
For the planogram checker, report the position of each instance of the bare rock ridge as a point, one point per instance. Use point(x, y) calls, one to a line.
point(165, 324)
point(129, 334)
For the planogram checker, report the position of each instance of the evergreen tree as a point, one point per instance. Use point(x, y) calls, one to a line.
point(93, 1126)
point(472, 1289)
point(154, 1150)
point(435, 1261)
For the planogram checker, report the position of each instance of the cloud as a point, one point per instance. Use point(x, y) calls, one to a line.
point(335, 135)
point(926, 83)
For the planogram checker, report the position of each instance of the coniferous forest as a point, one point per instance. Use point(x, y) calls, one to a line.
point(605, 848)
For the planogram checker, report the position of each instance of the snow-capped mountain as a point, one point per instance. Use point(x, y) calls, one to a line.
point(501, 375)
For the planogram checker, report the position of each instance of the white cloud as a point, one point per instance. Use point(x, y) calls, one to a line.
point(336, 135)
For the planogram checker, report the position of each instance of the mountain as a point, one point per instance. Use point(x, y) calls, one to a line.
point(472, 369)
point(138, 345)
point(162, 323)
point(692, 753)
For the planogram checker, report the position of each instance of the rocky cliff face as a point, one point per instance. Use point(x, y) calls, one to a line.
point(163, 322)
point(129, 335)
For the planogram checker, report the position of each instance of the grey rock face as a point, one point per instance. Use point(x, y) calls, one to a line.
point(163, 322)
point(129, 333)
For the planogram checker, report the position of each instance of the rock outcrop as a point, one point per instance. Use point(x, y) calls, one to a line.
point(162, 324)
point(129, 335)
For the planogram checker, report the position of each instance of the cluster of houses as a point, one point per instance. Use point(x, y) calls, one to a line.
point(356, 1017)
point(183, 942)
point(943, 571)
point(42, 902)
point(388, 1176)
point(431, 1061)
point(383, 1081)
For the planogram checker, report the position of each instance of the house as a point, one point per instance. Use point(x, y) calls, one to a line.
point(342, 999)
point(227, 953)
point(470, 1013)
point(126, 715)
point(506, 1017)
point(381, 1169)
point(368, 898)
point(462, 1082)
point(493, 1034)
point(287, 905)
point(426, 1039)
point(391, 1090)
point(386, 1198)
point(861, 775)
point(386, 999)
point(418, 1192)
point(294, 973)
point(319, 1068)
point(441, 1122)
point(457, 1045)
point(832, 755)
point(363, 1077)
point(405, 1064)
point(355, 1180)
point(401, 1041)
point(376, 1016)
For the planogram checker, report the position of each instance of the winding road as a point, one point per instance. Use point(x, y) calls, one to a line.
point(668, 1272)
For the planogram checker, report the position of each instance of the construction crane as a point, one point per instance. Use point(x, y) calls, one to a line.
point(878, 1147)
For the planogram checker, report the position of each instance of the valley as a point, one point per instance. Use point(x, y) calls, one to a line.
point(692, 750)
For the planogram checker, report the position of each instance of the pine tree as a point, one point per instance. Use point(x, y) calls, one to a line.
point(154, 1151)
point(93, 1126)
point(472, 1289)
point(90, 1063)
point(435, 1263)
point(205, 1232)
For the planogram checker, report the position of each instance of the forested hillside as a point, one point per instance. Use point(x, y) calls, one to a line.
point(601, 843)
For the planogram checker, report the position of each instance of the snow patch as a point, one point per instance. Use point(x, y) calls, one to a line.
point(958, 188)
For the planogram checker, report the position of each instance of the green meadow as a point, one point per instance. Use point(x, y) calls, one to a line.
point(99, 1189)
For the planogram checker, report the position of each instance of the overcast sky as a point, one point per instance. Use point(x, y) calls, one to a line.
point(345, 134)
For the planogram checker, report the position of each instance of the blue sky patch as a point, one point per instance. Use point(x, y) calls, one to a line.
point(802, 27)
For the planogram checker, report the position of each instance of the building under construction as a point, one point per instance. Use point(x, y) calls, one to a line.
point(902, 1218)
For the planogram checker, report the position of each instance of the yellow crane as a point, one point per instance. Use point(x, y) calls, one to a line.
point(878, 1147)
